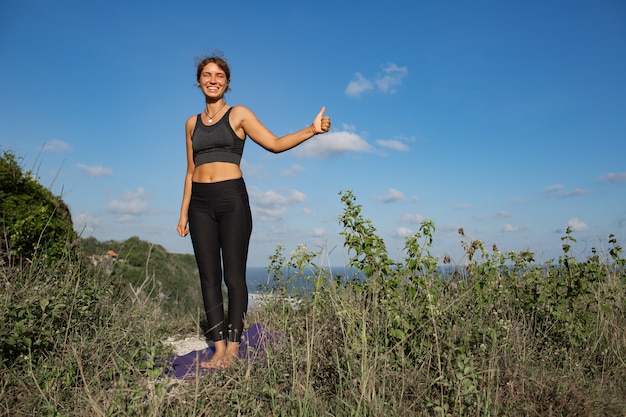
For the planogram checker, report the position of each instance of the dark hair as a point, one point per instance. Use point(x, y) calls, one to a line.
point(219, 61)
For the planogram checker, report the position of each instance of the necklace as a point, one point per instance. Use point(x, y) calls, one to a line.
point(206, 111)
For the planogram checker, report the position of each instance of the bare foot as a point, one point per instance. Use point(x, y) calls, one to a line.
point(220, 360)
point(212, 364)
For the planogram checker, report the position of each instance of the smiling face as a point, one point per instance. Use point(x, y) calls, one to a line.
point(213, 80)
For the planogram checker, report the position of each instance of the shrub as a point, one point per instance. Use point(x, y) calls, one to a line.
point(32, 219)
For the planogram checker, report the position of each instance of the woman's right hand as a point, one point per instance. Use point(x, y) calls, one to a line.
point(183, 227)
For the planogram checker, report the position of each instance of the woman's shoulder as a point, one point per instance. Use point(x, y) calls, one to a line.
point(190, 123)
point(238, 108)
point(239, 112)
point(192, 119)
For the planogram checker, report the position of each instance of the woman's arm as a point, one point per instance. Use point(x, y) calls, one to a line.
point(248, 124)
point(183, 227)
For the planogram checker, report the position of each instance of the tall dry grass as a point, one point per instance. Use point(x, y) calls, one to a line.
point(497, 334)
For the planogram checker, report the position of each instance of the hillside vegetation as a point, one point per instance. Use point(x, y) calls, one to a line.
point(149, 270)
point(33, 221)
point(501, 335)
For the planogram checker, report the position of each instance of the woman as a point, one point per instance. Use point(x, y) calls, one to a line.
point(215, 208)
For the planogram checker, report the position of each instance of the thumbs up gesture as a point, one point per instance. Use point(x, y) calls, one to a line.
point(321, 123)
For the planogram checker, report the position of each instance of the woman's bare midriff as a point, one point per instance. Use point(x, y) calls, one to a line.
point(216, 172)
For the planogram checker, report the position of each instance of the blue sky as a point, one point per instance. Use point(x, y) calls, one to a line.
point(506, 118)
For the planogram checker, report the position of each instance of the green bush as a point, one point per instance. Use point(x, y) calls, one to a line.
point(171, 278)
point(32, 219)
point(66, 327)
point(43, 302)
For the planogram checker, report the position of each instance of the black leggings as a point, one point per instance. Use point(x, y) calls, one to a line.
point(220, 224)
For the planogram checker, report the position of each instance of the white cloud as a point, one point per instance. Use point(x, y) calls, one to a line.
point(86, 222)
point(330, 144)
point(403, 232)
point(391, 77)
point(95, 171)
point(576, 192)
point(292, 171)
point(413, 218)
point(577, 225)
point(295, 195)
point(463, 206)
point(254, 171)
point(271, 205)
point(509, 228)
point(559, 191)
point(129, 205)
point(553, 188)
point(391, 196)
point(502, 214)
point(56, 145)
point(358, 86)
point(318, 232)
point(126, 218)
point(392, 144)
point(614, 177)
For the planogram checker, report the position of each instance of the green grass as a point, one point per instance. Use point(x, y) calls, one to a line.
point(502, 336)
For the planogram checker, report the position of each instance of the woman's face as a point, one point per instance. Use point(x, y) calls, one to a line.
point(213, 81)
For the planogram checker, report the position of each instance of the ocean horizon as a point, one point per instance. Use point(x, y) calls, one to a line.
point(259, 279)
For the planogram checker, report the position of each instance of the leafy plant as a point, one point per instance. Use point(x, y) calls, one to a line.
point(32, 220)
point(369, 253)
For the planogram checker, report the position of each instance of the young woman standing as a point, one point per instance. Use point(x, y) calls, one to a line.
point(215, 209)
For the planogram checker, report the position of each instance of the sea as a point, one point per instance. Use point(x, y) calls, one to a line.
point(260, 281)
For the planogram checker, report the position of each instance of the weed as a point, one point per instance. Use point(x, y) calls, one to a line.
point(494, 333)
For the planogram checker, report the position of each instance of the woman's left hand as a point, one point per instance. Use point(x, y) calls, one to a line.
point(321, 123)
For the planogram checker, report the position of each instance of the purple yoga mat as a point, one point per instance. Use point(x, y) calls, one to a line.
point(254, 342)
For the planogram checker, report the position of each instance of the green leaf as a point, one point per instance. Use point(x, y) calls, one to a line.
point(43, 303)
point(397, 333)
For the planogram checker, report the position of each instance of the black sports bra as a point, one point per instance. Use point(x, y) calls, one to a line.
point(216, 143)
